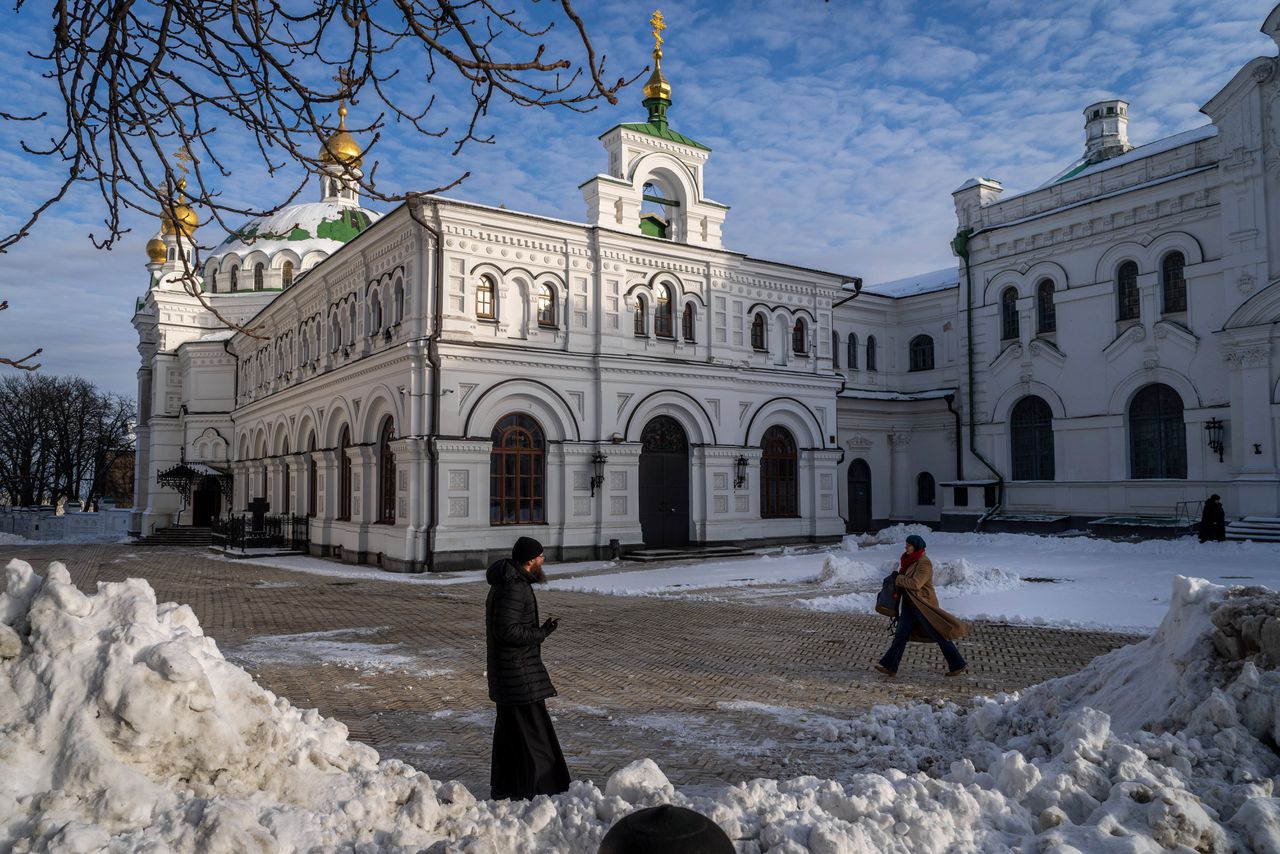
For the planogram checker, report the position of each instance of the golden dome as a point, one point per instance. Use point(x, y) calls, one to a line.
point(342, 148)
point(183, 219)
point(157, 251)
point(657, 85)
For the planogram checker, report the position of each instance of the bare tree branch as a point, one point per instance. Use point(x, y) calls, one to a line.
point(138, 79)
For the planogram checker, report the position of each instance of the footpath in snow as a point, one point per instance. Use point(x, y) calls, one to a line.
point(123, 728)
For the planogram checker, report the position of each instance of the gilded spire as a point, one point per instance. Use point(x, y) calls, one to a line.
point(181, 219)
point(341, 148)
point(657, 91)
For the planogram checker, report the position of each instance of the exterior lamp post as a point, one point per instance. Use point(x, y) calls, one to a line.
point(1214, 428)
point(597, 469)
point(740, 471)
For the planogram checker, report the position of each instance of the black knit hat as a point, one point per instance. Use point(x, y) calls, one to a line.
point(525, 550)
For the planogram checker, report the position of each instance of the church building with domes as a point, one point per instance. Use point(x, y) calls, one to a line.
point(426, 385)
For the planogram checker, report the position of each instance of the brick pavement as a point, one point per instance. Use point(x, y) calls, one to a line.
point(637, 676)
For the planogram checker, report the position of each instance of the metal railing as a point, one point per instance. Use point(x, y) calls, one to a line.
point(266, 532)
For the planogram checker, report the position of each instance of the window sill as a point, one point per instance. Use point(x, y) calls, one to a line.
point(482, 319)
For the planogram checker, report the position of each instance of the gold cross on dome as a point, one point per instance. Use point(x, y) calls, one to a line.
point(658, 26)
point(344, 79)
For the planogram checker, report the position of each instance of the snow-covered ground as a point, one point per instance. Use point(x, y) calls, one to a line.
point(1074, 582)
point(123, 728)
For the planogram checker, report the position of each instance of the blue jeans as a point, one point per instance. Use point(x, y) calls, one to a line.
point(908, 619)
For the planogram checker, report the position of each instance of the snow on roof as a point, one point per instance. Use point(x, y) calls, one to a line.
point(1152, 148)
point(931, 394)
point(220, 335)
point(923, 283)
point(301, 228)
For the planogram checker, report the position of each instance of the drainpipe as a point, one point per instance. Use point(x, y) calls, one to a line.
point(433, 360)
point(844, 383)
point(960, 246)
point(951, 399)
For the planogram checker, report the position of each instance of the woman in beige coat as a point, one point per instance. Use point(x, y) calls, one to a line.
point(920, 617)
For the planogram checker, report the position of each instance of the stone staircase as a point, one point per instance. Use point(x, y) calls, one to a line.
point(1263, 529)
point(687, 553)
point(183, 536)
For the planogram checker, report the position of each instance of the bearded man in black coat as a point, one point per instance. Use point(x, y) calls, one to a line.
point(527, 760)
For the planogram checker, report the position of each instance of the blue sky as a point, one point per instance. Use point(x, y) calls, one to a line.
point(838, 129)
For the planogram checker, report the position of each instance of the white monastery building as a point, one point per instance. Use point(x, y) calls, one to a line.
point(426, 385)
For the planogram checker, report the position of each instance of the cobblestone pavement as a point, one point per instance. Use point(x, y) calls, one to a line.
point(714, 692)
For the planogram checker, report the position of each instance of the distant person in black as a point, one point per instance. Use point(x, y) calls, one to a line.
point(526, 755)
point(1213, 521)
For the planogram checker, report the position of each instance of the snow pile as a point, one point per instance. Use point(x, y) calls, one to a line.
point(950, 578)
point(123, 728)
point(887, 536)
point(14, 540)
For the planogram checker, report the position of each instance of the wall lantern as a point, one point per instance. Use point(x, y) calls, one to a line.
point(597, 472)
point(739, 472)
point(1214, 428)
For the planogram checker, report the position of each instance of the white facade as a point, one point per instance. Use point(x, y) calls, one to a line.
point(371, 392)
point(1121, 219)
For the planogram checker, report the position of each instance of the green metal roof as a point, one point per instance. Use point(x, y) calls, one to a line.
point(663, 132)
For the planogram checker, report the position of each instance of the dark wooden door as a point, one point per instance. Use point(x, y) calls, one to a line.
point(205, 502)
point(859, 496)
point(664, 484)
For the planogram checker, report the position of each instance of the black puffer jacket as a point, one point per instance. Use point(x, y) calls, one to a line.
point(514, 636)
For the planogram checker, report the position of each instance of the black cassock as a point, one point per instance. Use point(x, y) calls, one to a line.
point(526, 754)
point(527, 760)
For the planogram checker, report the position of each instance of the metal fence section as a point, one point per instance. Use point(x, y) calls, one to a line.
point(265, 532)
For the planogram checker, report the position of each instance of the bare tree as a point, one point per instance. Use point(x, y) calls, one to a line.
point(58, 438)
point(140, 80)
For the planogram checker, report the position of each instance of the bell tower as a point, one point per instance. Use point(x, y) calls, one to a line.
point(654, 185)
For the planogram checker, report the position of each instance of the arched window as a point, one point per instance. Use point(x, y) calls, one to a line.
point(800, 337)
point(835, 350)
point(662, 313)
point(1157, 434)
point(258, 283)
point(335, 333)
point(235, 279)
point(375, 312)
point(484, 299)
point(1009, 314)
point(871, 353)
point(1173, 283)
point(642, 316)
point(399, 315)
point(351, 322)
point(853, 351)
point(1127, 291)
point(546, 305)
point(688, 321)
point(386, 475)
point(1031, 438)
point(1046, 313)
point(305, 350)
point(926, 490)
point(344, 475)
point(313, 478)
point(921, 352)
point(757, 332)
point(779, 489)
point(286, 275)
point(516, 472)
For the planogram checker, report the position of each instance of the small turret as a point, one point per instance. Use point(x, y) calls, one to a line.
point(1106, 130)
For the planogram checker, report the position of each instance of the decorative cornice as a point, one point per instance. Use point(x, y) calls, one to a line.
point(1256, 356)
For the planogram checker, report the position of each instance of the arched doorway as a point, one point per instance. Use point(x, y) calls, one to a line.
point(206, 501)
point(859, 496)
point(664, 484)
